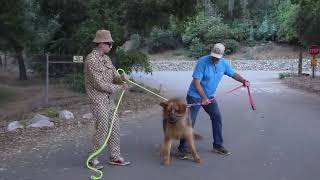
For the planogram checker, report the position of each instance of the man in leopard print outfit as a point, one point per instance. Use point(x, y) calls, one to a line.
point(100, 78)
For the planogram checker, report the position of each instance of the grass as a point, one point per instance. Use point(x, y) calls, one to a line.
point(284, 75)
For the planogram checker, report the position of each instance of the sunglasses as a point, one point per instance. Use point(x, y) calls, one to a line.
point(108, 43)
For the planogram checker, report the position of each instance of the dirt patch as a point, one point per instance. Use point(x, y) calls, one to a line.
point(170, 55)
point(269, 50)
point(305, 83)
point(28, 100)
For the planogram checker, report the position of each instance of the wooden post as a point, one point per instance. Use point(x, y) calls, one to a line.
point(300, 64)
point(5, 61)
point(1, 64)
point(46, 98)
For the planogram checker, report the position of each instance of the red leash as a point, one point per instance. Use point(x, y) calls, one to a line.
point(250, 99)
point(227, 92)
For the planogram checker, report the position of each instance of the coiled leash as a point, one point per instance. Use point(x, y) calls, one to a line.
point(117, 107)
point(104, 144)
point(96, 153)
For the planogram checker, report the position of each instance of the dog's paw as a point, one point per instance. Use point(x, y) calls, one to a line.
point(165, 163)
point(197, 160)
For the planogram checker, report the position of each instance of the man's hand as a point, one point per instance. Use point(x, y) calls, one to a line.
point(205, 101)
point(124, 77)
point(246, 83)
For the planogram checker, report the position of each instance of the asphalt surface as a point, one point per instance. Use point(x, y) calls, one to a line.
point(278, 141)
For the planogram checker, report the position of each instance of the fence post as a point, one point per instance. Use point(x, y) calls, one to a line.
point(5, 61)
point(46, 99)
point(1, 64)
point(300, 64)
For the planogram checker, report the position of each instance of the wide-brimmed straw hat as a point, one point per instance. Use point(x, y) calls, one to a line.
point(103, 36)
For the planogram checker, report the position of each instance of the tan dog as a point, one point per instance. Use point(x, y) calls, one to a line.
point(176, 125)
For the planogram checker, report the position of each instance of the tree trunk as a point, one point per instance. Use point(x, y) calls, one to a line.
point(208, 8)
point(230, 7)
point(22, 67)
point(16, 44)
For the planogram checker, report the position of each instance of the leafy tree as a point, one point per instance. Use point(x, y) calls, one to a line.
point(14, 32)
point(68, 14)
point(287, 14)
point(308, 21)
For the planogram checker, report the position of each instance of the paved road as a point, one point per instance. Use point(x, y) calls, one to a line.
point(279, 141)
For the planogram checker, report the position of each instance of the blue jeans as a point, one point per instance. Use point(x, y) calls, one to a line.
point(213, 111)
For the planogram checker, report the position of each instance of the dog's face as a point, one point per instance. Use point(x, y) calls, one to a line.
point(173, 110)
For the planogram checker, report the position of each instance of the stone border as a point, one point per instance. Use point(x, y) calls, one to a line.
point(257, 65)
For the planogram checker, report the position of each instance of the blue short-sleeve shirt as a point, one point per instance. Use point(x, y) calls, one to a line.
point(209, 75)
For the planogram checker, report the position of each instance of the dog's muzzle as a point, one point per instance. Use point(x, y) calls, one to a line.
point(172, 119)
point(172, 116)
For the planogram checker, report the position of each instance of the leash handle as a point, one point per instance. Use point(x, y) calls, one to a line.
point(250, 99)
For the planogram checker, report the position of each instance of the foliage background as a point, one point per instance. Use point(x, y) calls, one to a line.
point(66, 27)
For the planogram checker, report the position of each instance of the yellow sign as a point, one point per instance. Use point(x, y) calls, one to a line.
point(78, 59)
point(314, 62)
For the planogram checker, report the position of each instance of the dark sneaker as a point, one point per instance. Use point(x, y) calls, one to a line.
point(95, 164)
point(221, 150)
point(183, 154)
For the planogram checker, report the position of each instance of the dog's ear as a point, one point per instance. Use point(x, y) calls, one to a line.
point(163, 104)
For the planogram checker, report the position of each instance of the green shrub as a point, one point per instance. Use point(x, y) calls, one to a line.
point(75, 82)
point(132, 60)
point(267, 29)
point(176, 26)
point(136, 41)
point(208, 29)
point(51, 112)
point(250, 40)
point(197, 49)
point(284, 75)
point(287, 18)
point(161, 40)
point(231, 45)
point(204, 31)
point(242, 30)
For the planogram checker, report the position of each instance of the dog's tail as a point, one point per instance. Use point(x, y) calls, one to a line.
point(197, 136)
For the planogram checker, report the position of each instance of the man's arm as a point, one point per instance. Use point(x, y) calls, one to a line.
point(200, 91)
point(239, 78)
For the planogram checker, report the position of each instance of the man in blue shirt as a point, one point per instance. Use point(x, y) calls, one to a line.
point(206, 77)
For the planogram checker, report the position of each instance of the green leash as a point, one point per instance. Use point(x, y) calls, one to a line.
point(110, 130)
point(104, 145)
point(142, 86)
